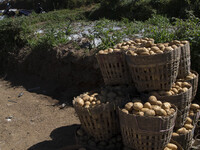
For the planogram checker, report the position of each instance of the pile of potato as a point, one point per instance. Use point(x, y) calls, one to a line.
point(106, 95)
point(153, 107)
point(194, 108)
point(171, 146)
point(112, 143)
point(123, 47)
point(191, 76)
point(185, 129)
point(177, 88)
point(153, 49)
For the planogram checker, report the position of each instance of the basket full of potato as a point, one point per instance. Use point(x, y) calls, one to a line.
point(192, 78)
point(147, 125)
point(173, 145)
point(180, 95)
point(112, 62)
point(194, 113)
point(154, 67)
point(185, 63)
point(184, 134)
point(97, 111)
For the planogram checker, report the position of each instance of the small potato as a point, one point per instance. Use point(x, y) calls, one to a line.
point(166, 105)
point(93, 103)
point(110, 50)
point(167, 49)
point(116, 50)
point(87, 106)
point(175, 134)
point(91, 99)
point(147, 105)
point(155, 107)
point(137, 106)
point(87, 103)
point(79, 101)
point(150, 113)
point(152, 100)
point(188, 126)
point(179, 84)
point(182, 131)
point(159, 52)
point(98, 102)
point(159, 103)
point(152, 53)
point(174, 90)
point(144, 109)
point(172, 146)
point(184, 42)
point(185, 84)
point(86, 97)
point(161, 112)
point(188, 120)
point(129, 106)
point(102, 52)
point(194, 106)
point(155, 48)
point(174, 47)
point(140, 113)
point(125, 111)
point(189, 78)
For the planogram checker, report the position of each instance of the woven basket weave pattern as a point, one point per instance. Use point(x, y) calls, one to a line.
point(185, 63)
point(99, 122)
point(155, 72)
point(114, 68)
point(149, 133)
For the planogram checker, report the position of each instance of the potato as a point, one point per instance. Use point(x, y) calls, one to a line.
point(131, 53)
point(185, 84)
point(159, 103)
point(110, 50)
point(191, 113)
point(182, 131)
point(155, 48)
point(98, 102)
point(167, 49)
point(194, 106)
point(175, 134)
point(184, 42)
point(172, 146)
point(152, 100)
point(174, 47)
point(161, 112)
point(188, 120)
point(87, 103)
point(150, 113)
point(174, 90)
point(155, 107)
point(129, 106)
point(144, 109)
point(87, 106)
point(86, 97)
point(140, 113)
point(147, 105)
point(102, 52)
point(137, 106)
point(166, 105)
point(125, 111)
point(79, 101)
point(189, 78)
point(179, 84)
point(159, 52)
point(116, 50)
point(161, 46)
point(188, 126)
point(152, 53)
point(93, 103)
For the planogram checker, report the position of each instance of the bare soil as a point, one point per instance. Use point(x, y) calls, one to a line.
point(33, 121)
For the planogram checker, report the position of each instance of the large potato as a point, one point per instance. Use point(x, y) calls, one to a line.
point(79, 101)
point(188, 120)
point(161, 112)
point(137, 106)
point(152, 100)
point(194, 106)
point(147, 105)
point(150, 113)
point(166, 105)
point(172, 146)
point(188, 126)
point(182, 131)
point(129, 106)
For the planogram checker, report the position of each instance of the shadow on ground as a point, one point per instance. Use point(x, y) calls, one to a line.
point(62, 138)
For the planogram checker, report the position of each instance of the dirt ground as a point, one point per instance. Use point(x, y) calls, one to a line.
point(32, 121)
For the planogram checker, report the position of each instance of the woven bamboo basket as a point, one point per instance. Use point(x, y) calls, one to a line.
point(182, 102)
point(194, 83)
point(146, 133)
point(114, 68)
point(185, 140)
point(100, 122)
point(195, 118)
point(154, 72)
point(185, 63)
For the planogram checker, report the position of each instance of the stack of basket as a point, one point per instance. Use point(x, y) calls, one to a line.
point(160, 70)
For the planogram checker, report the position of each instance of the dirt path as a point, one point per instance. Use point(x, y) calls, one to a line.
point(31, 122)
